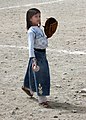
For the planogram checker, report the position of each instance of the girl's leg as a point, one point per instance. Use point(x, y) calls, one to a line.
point(27, 91)
point(27, 81)
point(42, 99)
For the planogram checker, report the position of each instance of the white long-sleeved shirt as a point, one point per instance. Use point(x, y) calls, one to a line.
point(36, 39)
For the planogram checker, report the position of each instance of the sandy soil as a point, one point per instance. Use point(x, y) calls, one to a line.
point(68, 71)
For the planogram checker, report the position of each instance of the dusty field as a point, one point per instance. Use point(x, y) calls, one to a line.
point(66, 55)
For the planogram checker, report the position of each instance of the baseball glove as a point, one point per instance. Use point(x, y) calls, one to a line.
point(50, 26)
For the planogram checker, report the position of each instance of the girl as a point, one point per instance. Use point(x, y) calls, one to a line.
point(37, 78)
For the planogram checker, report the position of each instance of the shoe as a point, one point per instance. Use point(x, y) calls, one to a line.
point(27, 91)
point(45, 104)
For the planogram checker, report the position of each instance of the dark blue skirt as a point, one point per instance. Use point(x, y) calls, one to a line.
point(38, 81)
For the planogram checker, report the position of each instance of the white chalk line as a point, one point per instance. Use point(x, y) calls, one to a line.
point(27, 5)
point(51, 50)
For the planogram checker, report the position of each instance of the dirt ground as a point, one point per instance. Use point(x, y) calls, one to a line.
point(66, 54)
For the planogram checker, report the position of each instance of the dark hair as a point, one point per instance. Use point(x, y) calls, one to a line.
point(29, 14)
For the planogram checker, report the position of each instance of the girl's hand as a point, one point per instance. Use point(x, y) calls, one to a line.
point(34, 65)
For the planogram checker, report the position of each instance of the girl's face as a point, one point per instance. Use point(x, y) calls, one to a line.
point(36, 19)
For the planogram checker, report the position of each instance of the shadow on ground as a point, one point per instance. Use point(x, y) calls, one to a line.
point(65, 106)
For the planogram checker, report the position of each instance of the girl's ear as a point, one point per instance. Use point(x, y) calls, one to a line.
point(30, 19)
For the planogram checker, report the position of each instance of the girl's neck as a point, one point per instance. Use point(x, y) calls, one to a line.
point(37, 25)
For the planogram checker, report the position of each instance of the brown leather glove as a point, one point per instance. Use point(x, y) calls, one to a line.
point(50, 26)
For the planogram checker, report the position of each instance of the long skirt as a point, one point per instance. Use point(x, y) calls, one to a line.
point(38, 81)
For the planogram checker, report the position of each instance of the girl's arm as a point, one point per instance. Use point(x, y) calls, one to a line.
point(31, 38)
